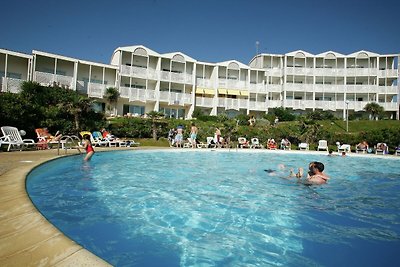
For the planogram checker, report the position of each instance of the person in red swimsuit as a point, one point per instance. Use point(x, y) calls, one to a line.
point(88, 147)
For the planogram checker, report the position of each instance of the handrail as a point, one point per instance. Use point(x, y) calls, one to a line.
point(73, 139)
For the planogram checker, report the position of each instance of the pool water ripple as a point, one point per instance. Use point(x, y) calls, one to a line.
point(201, 208)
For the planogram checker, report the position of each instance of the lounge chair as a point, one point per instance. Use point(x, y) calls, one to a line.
point(381, 148)
point(211, 142)
point(188, 144)
point(95, 142)
point(45, 139)
point(255, 143)
point(304, 146)
point(99, 140)
point(285, 144)
point(322, 145)
point(242, 143)
point(12, 138)
point(271, 144)
point(343, 148)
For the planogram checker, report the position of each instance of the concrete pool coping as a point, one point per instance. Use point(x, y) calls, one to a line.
point(27, 238)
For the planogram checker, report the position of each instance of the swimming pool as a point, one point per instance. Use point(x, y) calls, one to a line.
point(214, 208)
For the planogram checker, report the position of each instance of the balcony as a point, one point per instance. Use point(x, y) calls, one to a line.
point(299, 71)
point(361, 88)
point(257, 105)
point(205, 102)
point(232, 84)
point(299, 104)
point(360, 71)
point(298, 87)
point(11, 85)
point(204, 83)
point(390, 106)
point(138, 72)
point(47, 79)
point(387, 89)
point(257, 88)
point(175, 98)
point(274, 72)
point(326, 105)
point(96, 90)
point(274, 103)
point(388, 73)
point(274, 88)
point(176, 77)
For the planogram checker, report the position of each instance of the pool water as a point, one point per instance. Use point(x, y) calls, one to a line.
point(214, 208)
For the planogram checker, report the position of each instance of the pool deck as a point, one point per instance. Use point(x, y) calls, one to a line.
point(26, 237)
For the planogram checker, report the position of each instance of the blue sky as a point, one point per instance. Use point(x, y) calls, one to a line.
point(206, 30)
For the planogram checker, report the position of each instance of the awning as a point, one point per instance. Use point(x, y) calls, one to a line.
point(222, 91)
point(209, 91)
point(244, 93)
point(199, 90)
point(233, 92)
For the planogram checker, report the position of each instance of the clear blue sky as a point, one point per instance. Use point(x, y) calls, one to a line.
point(206, 30)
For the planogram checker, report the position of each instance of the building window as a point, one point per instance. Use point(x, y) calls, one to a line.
point(173, 113)
point(134, 110)
point(99, 107)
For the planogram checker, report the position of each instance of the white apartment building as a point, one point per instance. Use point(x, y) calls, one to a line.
point(175, 83)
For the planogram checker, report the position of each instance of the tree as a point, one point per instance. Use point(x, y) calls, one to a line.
point(155, 122)
point(112, 95)
point(374, 109)
point(76, 106)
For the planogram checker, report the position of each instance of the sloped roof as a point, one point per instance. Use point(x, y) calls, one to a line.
point(330, 53)
point(361, 52)
point(171, 55)
point(297, 52)
point(226, 64)
point(134, 47)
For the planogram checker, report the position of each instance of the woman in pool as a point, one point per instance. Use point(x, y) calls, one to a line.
point(88, 147)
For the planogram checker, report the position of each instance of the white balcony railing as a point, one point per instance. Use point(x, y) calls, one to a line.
point(11, 85)
point(256, 105)
point(277, 88)
point(298, 87)
point(257, 88)
point(204, 101)
point(204, 83)
point(231, 103)
point(48, 79)
point(274, 103)
point(175, 98)
point(232, 84)
point(388, 73)
point(96, 90)
point(274, 72)
point(387, 89)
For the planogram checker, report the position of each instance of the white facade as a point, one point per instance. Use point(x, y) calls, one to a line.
point(175, 83)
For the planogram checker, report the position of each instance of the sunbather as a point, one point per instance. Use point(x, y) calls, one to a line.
point(45, 135)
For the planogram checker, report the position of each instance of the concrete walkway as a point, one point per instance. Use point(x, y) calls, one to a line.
point(26, 237)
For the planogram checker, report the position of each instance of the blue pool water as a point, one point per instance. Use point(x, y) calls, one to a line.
point(212, 208)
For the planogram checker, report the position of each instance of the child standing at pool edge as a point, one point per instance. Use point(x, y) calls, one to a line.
point(88, 147)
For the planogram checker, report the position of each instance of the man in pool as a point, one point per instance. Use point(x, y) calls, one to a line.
point(315, 173)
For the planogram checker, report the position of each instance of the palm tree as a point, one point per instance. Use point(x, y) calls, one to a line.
point(374, 109)
point(112, 95)
point(155, 120)
point(76, 106)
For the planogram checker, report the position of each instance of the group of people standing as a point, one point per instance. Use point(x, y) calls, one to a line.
point(175, 136)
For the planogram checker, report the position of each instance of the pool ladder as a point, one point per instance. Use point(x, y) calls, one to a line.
point(73, 140)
